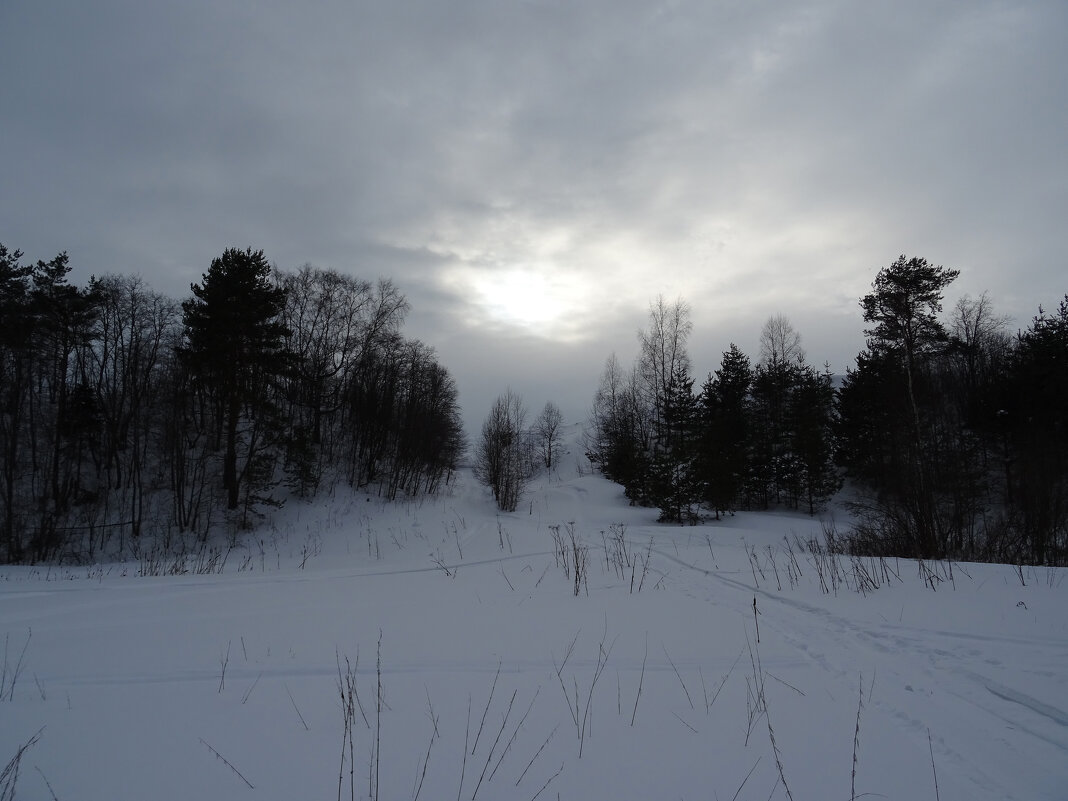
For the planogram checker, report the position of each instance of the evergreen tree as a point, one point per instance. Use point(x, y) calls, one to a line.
point(1035, 420)
point(899, 431)
point(812, 437)
point(723, 459)
point(235, 352)
point(675, 482)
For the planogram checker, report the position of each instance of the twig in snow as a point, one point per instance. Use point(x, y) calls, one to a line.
point(493, 747)
point(641, 681)
point(740, 786)
point(560, 675)
point(378, 718)
point(10, 688)
point(536, 755)
point(547, 783)
point(933, 771)
point(856, 743)
point(433, 736)
point(467, 737)
point(224, 661)
point(10, 775)
point(683, 722)
point(783, 683)
point(678, 676)
point(48, 784)
point(228, 764)
point(295, 709)
point(486, 710)
point(505, 575)
point(756, 620)
point(248, 692)
point(519, 725)
point(715, 695)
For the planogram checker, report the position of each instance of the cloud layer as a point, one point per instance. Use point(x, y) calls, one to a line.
point(532, 173)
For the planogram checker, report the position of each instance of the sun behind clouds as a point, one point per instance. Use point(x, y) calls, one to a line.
point(521, 297)
point(541, 301)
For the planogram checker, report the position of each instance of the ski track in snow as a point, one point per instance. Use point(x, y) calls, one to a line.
point(919, 657)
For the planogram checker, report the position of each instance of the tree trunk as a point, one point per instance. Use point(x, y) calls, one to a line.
point(230, 480)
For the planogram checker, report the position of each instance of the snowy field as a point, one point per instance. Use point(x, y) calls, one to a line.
point(720, 661)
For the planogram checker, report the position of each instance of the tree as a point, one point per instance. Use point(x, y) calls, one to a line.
point(663, 354)
point(674, 480)
point(775, 467)
point(136, 330)
point(425, 438)
point(903, 309)
point(547, 432)
point(324, 313)
point(370, 385)
point(235, 351)
point(16, 326)
point(1035, 420)
point(978, 349)
point(811, 412)
point(63, 333)
point(503, 454)
point(779, 342)
point(617, 436)
point(724, 431)
point(902, 312)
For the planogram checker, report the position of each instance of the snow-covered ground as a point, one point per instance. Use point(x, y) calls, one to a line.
point(727, 669)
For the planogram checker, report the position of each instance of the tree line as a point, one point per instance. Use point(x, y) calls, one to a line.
point(124, 413)
point(950, 434)
point(750, 437)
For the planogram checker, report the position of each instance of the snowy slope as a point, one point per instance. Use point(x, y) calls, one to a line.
point(226, 685)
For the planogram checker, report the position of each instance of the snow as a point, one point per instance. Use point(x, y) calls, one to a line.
point(197, 686)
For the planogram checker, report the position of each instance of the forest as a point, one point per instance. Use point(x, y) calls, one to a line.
point(130, 421)
point(948, 439)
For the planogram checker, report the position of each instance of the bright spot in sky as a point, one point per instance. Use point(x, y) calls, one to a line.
point(521, 297)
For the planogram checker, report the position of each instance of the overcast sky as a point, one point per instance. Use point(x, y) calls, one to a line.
point(532, 174)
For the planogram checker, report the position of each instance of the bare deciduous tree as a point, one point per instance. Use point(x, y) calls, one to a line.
point(664, 353)
point(780, 343)
point(547, 432)
point(502, 456)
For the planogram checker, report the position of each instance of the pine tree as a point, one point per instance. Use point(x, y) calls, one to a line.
point(724, 431)
point(675, 485)
point(811, 433)
point(902, 309)
point(1036, 425)
point(235, 351)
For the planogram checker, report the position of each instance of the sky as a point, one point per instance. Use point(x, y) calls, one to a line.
point(532, 174)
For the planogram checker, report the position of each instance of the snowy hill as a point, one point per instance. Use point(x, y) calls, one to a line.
point(711, 662)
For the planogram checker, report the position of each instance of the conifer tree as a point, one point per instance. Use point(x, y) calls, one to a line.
point(675, 485)
point(235, 351)
point(903, 309)
point(724, 431)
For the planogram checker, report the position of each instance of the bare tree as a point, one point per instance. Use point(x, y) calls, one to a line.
point(978, 336)
point(663, 355)
point(618, 430)
point(503, 454)
point(780, 343)
point(547, 432)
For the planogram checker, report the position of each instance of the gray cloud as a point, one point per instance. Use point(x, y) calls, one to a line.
point(753, 158)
